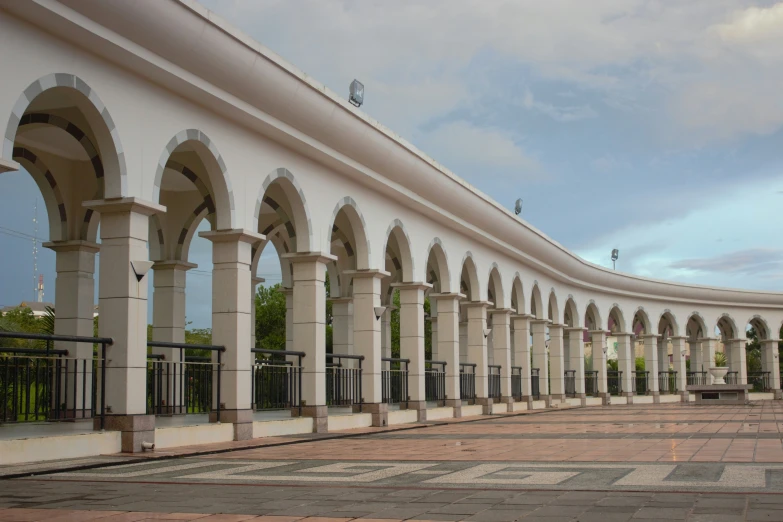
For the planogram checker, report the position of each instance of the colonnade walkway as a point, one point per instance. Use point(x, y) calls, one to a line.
point(648, 462)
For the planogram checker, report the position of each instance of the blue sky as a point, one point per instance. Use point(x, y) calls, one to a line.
point(655, 127)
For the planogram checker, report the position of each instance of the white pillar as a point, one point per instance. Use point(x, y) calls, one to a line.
point(123, 315)
point(449, 345)
point(598, 341)
point(540, 355)
point(386, 331)
point(626, 362)
point(556, 362)
point(737, 359)
point(678, 359)
point(770, 363)
point(576, 351)
point(463, 342)
point(309, 327)
point(651, 364)
point(231, 320)
point(501, 347)
point(412, 342)
point(708, 346)
point(367, 340)
point(74, 310)
point(434, 329)
point(697, 361)
point(521, 338)
point(477, 349)
point(342, 329)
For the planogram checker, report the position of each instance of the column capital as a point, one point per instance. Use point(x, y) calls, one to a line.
point(522, 316)
point(137, 205)
point(575, 329)
point(607, 333)
point(540, 321)
point(258, 280)
point(412, 286)
point(340, 300)
point(173, 264)
point(499, 311)
point(707, 339)
point(557, 326)
point(649, 336)
point(235, 234)
point(7, 165)
point(678, 338)
point(476, 304)
point(738, 340)
point(768, 341)
point(76, 245)
point(367, 273)
point(452, 295)
point(621, 334)
point(311, 257)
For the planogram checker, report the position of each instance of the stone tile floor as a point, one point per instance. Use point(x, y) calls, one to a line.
point(644, 462)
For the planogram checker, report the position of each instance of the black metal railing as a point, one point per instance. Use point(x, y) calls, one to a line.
point(467, 381)
point(493, 381)
point(394, 381)
point(516, 382)
point(761, 381)
point(591, 383)
point(277, 382)
point(535, 384)
point(435, 381)
point(696, 378)
point(343, 383)
point(731, 378)
point(667, 382)
point(640, 382)
point(569, 379)
point(44, 384)
point(614, 382)
point(186, 384)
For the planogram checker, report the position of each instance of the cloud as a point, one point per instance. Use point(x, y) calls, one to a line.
point(557, 113)
point(756, 261)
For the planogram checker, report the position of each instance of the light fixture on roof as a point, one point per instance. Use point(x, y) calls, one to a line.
point(356, 93)
point(615, 255)
point(518, 207)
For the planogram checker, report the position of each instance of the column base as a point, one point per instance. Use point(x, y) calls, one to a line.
point(320, 415)
point(606, 398)
point(420, 407)
point(378, 410)
point(778, 394)
point(656, 397)
point(486, 405)
point(685, 396)
point(547, 400)
point(241, 419)
point(456, 405)
point(629, 397)
point(134, 429)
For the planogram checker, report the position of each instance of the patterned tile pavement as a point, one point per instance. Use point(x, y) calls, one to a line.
point(665, 462)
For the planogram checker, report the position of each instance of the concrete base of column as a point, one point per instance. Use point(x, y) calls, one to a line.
point(685, 397)
point(629, 397)
point(379, 411)
point(420, 407)
point(778, 394)
point(241, 419)
point(509, 402)
point(582, 398)
point(486, 405)
point(527, 400)
point(456, 404)
point(656, 397)
point(547, 400)
point(606, 399)
point(135, 430)
point(557, 397)
point(320, 415)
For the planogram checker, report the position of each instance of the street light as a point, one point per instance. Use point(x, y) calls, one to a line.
point(518, 207)
point(615, 255)
point(356, 93)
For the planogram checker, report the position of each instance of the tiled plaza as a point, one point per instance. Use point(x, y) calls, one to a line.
point(666, 462)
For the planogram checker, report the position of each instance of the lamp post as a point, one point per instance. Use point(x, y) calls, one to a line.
point(615, 255)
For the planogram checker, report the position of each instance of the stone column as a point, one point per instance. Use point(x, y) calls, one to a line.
point(598, 340)
point(521, 324)
point(74, 304)
point(770, 363)
point(309, 326)
point(576, 351)
point(123, 315)
point(254, 282)
point(367, 340)
point(477, 350)
point(651, 364)
point(556, 362)
point(737, 359)
point(434, 329)
point(412, 342)
point(463, 342)
point(626, 362)
point(386, 331)
point(697, 362)
point(342, 329)
point(501, 346)
point(541, 356)
point(448, 345)
point(708, 346)
point(231, 320)
point(678, 359)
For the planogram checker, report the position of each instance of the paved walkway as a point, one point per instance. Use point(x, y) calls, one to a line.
point(667, 462)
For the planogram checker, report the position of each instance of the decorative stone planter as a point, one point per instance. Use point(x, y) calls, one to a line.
point(718, 373)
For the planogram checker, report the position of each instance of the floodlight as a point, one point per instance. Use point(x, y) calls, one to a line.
point(356, 93)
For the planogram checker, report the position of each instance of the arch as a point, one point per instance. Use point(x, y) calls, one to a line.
point(219, 197)
point(55, 204)
point(727, 327)
point(438, 273)
point(695, 327)
point(353, 236)
point(517, 294)
point(536, 303)
point(495, 287)
point(667, 325)
point(92, 108)
point(398, 249)
point(570, 313)
point(592, 317)
point(552, 309)
point(302, 224)
point(641, 322)
point(616, 321)
point(761, 326)
point(469, 281)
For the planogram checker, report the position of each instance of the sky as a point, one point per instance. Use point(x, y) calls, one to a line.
point(654, 127)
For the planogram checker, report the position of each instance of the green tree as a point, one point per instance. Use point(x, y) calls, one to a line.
point(753, 351)
point(270, 318)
